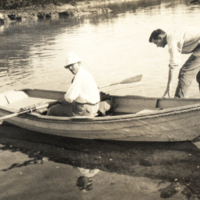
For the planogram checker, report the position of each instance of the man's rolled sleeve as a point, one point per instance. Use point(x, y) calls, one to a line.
point(174, 56)
point(172, 66)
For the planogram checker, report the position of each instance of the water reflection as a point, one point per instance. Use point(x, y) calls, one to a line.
point(85, 182)
point(114, 45)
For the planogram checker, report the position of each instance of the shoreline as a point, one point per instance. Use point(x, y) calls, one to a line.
point(67, 10)
point(52, 11)
point(174, 167)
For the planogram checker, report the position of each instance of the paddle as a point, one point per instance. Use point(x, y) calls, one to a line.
point(30, 109)
point(26, 110)
point(126, 81)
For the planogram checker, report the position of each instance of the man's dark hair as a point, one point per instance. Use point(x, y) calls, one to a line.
point(155, 34)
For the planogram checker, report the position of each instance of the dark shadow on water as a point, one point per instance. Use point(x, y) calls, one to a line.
point(177, 162)
point(26, 163)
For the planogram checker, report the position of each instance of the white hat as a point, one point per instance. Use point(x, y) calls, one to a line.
point(71, 59)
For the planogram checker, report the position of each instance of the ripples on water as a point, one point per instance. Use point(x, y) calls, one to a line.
point(112, 46)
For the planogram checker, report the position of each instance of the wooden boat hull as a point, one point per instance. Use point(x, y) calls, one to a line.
point(171, 123)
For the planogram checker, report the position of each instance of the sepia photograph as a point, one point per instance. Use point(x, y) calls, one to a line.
point(99, 99)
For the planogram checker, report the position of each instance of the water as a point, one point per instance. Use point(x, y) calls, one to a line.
point(112, 46)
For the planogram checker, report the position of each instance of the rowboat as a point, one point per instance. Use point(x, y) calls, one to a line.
point(134, 118)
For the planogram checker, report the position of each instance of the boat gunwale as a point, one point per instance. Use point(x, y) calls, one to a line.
point(105, 119)
point(113, 118)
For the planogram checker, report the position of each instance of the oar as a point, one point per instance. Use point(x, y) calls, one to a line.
point(126, 81)
point(25, 111)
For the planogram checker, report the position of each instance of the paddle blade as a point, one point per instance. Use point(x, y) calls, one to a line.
point(132, 79)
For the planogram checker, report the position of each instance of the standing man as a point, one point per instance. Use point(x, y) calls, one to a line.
point(82, 97)
point(183, 41)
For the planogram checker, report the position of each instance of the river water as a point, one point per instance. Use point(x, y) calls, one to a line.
point(112, 46)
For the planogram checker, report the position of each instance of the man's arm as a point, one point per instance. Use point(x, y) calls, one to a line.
point(59, 101)
point(170, 78)
point(74, 90)
point(175, 53)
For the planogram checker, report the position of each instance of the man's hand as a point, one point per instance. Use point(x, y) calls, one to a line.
point(52, 104)
point(59, 101)
point(167, 92)
point(63, 101)
point(170, 77)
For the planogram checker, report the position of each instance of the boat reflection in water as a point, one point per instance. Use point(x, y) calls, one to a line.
point(85, 182)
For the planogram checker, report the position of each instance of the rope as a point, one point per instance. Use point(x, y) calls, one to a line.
point(145, 117)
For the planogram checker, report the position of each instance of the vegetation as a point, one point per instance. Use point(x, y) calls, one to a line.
point(14, 4)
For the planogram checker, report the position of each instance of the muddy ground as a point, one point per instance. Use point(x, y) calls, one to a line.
point(158, 170)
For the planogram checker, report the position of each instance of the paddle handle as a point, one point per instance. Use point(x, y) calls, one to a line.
point(25, 111)
point(110, 85)
point(133, 79)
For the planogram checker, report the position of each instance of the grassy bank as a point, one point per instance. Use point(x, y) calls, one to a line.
point(14, 4)
point(20, 10)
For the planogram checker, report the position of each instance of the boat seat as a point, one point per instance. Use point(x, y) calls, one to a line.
point(11, 96)
point(133, 105)
point(19, 99)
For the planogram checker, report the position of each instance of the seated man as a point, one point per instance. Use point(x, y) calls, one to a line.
point(82, 97)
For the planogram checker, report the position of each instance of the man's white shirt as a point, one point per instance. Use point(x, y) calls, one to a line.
point(83, 89)
point(182, 41)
